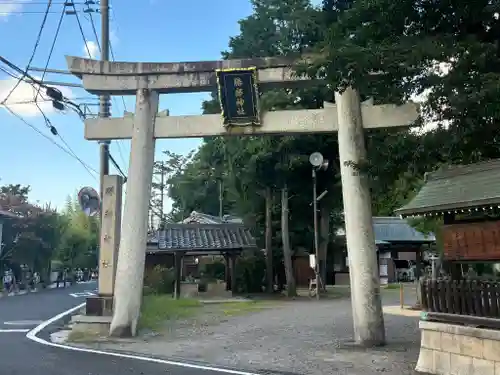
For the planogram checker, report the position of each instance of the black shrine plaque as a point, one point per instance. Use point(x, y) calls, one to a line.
point(238, 96)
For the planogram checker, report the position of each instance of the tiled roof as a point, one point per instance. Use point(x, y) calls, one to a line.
point(201, 218)
point(7, 214)
point(457, 187)
point(152, 237)
point(395, 229)
point(208, 237)
point(388, 230)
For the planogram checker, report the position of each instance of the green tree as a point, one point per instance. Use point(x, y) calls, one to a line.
point(31, 237)
point(254, 170)
point(79, 238)
point(445, 51)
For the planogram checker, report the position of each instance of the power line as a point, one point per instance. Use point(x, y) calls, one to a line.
point(45, 72)
point(81, 32)
point(37, 42)
point(41, 3)
point(111, 50)
point(117, 166)
point(51, 50)
point(120, 152)
point(8, 73)
point(94, 29)
point(70, 153)
point(26, 12)
point(54, 93)
point(32, 101)
point(55, 132)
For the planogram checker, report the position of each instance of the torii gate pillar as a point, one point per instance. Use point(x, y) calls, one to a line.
point(131, 256)
point(364, 273)
point(347, 116)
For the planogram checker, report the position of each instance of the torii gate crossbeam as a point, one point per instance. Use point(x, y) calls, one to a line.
point(348, 117)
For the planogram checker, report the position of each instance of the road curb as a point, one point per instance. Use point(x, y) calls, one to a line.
point(33, 335)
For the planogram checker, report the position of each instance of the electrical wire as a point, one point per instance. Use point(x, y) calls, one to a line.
point(81, 32)
point(25, 76)
point(88, 168)
point(113, 53)
point(37, 43)
point(51, 50)
point(40, 3)
point(94, 29)
point(55, 132)
point(31, 101)
point(8, 73)
point(117, 166)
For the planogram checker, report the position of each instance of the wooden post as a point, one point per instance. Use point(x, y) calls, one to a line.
point(227, 272)
point(178, 265)
point(232, 261)
point(401, 295)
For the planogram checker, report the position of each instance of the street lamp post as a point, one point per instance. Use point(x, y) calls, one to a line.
point(318, 163)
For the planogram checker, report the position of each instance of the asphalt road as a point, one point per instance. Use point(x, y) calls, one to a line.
point(21, 356)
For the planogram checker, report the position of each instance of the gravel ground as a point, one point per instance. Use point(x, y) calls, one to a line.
point(300, 337)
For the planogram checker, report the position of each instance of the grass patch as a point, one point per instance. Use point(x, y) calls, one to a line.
point(392, 286)
point(81, 336)
point(242, 308)
point(157, 309)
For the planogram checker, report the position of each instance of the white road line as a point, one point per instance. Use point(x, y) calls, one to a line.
point(14, 330)
point(32, 335)
point(23, 323)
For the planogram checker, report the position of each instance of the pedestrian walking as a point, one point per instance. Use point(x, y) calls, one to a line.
point(7, 282)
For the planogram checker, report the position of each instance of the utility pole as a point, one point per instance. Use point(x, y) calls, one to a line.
point(104, 100)
point(316, 239)
point(162, 191)
point(221, 200)
point(159, 169)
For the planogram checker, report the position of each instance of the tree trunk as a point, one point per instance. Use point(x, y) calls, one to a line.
point(269, 238)
point(287, 251)
point(324, 231)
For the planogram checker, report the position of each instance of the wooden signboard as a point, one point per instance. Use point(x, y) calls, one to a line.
point(472, 241)
point(238, 96)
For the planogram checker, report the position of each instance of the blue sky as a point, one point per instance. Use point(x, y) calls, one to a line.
point(147, 30)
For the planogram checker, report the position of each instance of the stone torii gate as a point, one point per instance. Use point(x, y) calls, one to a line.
point(348, 117)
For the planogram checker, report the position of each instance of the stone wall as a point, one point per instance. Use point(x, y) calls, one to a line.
point(448, 349)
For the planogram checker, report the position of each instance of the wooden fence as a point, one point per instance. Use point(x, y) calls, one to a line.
point(464, 297)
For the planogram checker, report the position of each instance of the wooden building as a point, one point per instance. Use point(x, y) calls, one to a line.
point(180, 245)
point(398, 246)
point(468, 199)
point(463, 307)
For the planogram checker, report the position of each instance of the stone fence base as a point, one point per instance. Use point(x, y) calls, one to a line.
point(190, 290)
point(449, 349)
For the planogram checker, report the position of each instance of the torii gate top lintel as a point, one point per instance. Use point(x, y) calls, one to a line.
point(124, 78)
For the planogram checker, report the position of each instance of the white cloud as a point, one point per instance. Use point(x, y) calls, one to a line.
point(7, 7)
point(91, 48)
point(22, 100)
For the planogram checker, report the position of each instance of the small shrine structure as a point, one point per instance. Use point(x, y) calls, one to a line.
point(467, 197)
point(460, 321)
point(188, 242)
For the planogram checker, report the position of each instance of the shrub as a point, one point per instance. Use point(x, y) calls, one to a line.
point(250, 272)
point(159, 280)
point(215, 270)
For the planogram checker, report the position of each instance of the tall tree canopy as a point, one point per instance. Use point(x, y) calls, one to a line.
point(36, 235)
point(443, 52)
point(446, 51)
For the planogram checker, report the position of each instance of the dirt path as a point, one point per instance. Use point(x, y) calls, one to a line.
point(304, 337)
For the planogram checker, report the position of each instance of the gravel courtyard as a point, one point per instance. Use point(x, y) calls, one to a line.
point(300, 337)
